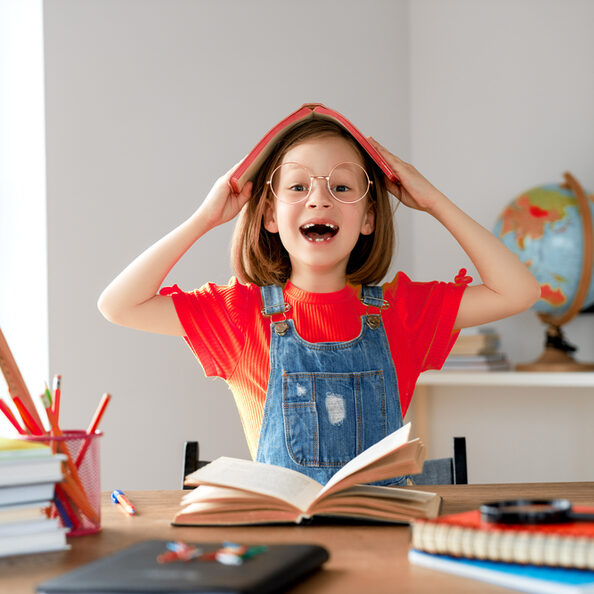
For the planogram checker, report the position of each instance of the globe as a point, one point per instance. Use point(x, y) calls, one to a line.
point(549, 228)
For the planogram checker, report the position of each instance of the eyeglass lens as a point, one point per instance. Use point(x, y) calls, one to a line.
point(292, 182)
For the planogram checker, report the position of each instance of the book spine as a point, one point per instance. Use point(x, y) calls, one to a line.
point(536, 548)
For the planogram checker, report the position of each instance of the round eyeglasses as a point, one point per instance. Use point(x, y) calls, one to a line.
point(291, 183)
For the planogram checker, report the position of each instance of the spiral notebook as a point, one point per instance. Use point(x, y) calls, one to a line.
point(464, 534)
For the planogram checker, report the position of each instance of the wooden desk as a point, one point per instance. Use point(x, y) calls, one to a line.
point(370, 559)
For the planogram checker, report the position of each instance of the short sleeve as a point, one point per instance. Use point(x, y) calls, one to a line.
point(421, 321)
point(214, 319)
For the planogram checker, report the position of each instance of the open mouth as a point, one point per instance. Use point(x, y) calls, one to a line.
point(318, 231)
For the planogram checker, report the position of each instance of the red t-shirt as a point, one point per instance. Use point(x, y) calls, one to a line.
point(231, 338)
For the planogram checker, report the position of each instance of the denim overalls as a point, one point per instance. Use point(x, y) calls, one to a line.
point(327, 402)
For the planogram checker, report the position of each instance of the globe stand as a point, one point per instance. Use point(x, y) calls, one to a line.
point(557, 353)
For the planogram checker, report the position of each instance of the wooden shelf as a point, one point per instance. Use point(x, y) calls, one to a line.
point(507, 378)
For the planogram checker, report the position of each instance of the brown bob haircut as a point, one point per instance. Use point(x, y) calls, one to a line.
point(259, 256)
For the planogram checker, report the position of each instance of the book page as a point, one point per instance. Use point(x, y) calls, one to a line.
point(281, 483)
point(386, 446)
point(406, 460)
point(393, 493)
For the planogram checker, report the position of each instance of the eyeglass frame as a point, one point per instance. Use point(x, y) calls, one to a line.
point(326, 177)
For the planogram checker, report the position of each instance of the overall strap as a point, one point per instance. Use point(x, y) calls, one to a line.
point(373, 296)
point(272, 300)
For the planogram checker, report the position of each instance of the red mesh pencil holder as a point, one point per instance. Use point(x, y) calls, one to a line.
point(77, 498)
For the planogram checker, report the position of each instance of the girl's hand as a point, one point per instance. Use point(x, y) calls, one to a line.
point(222, 204)
point(414, 190)
point(507, 286)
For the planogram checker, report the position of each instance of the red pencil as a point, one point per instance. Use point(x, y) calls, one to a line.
point(92, 428)
point(28, 420)
point(8, 414)
point(57, 393)
point(57, 432)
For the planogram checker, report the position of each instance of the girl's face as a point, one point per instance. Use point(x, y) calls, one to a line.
point(320, 232)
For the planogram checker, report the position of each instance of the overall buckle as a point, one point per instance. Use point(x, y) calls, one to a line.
point(281, 327)
point(374, 321)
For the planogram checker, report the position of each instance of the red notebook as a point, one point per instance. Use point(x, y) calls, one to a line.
point(465, 535)
point(248, 167)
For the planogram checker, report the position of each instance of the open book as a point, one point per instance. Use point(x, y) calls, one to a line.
point(253, 161)
point(233, 491)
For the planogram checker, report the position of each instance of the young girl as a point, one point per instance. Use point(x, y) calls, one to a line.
point(322, 361)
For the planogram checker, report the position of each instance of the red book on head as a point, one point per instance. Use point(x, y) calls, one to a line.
point(248, 167)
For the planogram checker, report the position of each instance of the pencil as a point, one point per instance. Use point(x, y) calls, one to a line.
point(99, 413)
point(8, 414)
point(57, 432)
point(61, 509)
point(92, 428)
point(71, 511)
point(48, 395)
point(79, 498)
point(28, 420)
point(57, 395)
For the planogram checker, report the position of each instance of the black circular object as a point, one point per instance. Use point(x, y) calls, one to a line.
point(531, 511)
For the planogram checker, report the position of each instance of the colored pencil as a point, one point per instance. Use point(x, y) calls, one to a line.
point(99, 413)
point(57, 432)
point(57, 395)
point(92, 428)
point(48, 395)
point(79, 497)
point(61, 509)
point(28, 420)
point(8, 414)
point(71, 510)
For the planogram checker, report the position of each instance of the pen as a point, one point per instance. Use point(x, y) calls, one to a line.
point(118, 497)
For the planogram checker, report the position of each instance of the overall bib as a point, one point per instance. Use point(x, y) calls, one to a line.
point(327, 402)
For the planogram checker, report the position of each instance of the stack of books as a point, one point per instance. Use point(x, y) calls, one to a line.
point(528, 557)
point(477, 349)
point(28, 474)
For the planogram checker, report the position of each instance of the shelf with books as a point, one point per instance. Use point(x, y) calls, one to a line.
point(507, 378)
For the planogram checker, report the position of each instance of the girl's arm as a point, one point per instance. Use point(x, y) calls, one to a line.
point(508, 286)
point(131, 299)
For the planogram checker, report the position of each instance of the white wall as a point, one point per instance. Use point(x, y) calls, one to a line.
point(148, 102)
point(23, 254)
point(502, 97)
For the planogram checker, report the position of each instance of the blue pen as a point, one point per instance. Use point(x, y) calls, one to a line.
point(118, 496)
